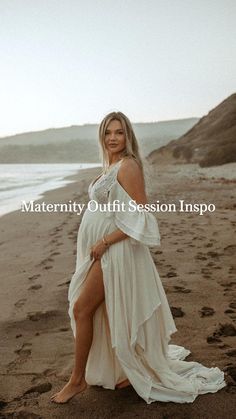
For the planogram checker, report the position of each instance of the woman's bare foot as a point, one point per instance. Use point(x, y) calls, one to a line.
point(69, 391)
point(123, 384)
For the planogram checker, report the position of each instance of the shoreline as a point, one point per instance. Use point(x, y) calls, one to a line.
point(197, 267)
point(53, 179)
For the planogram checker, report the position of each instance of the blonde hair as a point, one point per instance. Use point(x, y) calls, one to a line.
point(131, 147)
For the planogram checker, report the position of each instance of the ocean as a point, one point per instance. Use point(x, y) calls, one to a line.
point(29, 181)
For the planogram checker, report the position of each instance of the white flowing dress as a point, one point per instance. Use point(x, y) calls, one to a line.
point(133, 326)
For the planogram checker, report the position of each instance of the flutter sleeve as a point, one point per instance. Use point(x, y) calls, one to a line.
point(141, 226)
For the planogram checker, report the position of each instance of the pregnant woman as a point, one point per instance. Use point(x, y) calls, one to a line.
point(120, 316)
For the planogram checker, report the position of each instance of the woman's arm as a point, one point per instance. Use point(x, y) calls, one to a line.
point(131, 179)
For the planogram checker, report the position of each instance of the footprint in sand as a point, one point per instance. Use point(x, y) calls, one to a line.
point(72, 234)
point(3, 404)
point(230, 250)
point(200, 256)
point(210, 264)
point(231, 352)
point(181, 289)
point(228, 286)
point(37, 379)
point(223, 346)
point(231, 313)
point(232, 269)
point(230, 370)
point(44, 316)
point(22, 355)
point(55, 253)
point(214, 255)
point(213, 339)
point(32, 278)
point(206, 311)
point(24, 351)
point(227, 329)
point(58, 229)
point(171, 274)
point(35, 287)
point(177, 312)
point(206, 273)
point(39, 388)
point(20, 303)
point(45, 261)
point(57, 236)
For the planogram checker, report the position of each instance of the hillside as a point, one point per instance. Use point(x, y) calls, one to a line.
point(80, 143)
point(210, 142)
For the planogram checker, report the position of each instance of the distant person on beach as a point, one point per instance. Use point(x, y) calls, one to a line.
point(120, 316)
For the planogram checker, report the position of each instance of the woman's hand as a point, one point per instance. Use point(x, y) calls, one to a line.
point(97, 250)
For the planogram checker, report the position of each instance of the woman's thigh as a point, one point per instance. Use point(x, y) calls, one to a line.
point(92, 294)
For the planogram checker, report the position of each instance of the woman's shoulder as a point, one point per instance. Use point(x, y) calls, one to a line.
point(130, 170)
point(129, 163)
point(130, 177)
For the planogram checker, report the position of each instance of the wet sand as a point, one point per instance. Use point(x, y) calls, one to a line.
point(196, 262)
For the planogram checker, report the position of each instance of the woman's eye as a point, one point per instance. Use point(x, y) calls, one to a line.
point(120, 133)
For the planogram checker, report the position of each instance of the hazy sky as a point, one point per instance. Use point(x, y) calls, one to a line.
point(69, 62)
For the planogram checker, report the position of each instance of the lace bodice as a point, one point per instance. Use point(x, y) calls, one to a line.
point(99, 190)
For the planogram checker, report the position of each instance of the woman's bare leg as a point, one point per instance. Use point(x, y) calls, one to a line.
point(91, 297)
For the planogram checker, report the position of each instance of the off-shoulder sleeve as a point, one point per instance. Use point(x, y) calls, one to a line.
point(141, 226)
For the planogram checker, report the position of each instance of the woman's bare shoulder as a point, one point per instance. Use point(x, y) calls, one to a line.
point(129, 165)
point(130, 177)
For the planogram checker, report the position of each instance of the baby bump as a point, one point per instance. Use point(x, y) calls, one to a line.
point(94, 225)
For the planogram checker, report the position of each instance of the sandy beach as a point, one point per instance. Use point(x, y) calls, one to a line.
point(196, 262)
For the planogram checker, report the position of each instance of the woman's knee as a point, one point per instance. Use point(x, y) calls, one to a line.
point(82, 312)
point(92, 295)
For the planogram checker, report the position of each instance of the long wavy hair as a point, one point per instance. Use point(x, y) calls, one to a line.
point(131, 148)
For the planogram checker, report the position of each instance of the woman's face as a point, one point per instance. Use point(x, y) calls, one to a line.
point(114, 138)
